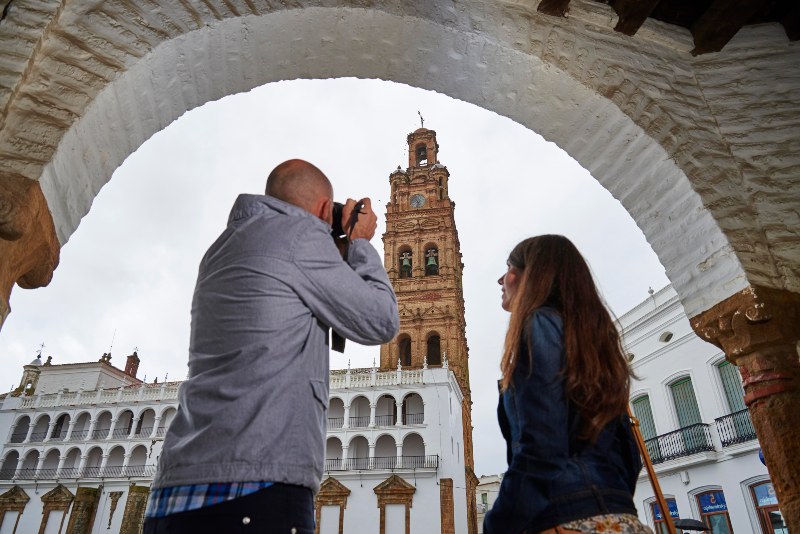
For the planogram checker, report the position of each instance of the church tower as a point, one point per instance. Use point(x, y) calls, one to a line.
point(422, 255)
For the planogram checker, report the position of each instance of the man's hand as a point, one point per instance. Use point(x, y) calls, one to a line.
point(367, 221)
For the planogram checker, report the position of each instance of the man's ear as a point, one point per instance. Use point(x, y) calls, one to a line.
point(324, 210)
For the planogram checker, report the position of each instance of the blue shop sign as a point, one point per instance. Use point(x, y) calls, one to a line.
point(673, 510)
point(765, 494)
point(712, 502)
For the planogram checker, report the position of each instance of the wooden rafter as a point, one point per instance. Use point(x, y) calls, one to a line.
point(632, 14)
point(720, 22)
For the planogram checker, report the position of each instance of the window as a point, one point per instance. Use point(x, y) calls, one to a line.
point(644, 413)
point(689, 421)
point(658, 519)
point(665, 337)
point(431, 261)
point(714, 512)
point(769, 515)
point(732, 384)
point(434, 350)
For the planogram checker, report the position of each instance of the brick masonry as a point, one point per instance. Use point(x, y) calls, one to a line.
point(703, 152)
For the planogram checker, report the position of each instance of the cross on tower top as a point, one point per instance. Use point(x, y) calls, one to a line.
point(421, 120)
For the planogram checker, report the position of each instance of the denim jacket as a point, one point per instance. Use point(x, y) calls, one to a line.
point(553, 476)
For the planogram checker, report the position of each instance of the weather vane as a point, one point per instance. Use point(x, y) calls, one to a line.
point(421, 120)
point(41, 348)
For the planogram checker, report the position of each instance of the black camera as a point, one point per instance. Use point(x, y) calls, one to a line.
point(338, 226)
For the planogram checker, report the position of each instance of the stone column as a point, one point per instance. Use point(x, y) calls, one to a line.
point(113, 428)
point(344, 455)
point(40, 463)
point(156, 422)
point(125, 460)
point(346, 421)
point(30, 431)
point(134, 424)
point(29, 249)
point(399, 453)
point(759, 330)
point(69, 430)
point(372, 456)
point(49, 431)
point(398, 405)
point(103, 464)
point(372, 414)
point(92, 425)
point(61, 460)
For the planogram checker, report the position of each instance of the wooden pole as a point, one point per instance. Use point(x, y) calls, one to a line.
point(651, 472)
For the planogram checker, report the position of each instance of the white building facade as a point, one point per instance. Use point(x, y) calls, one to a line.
point(80, 461)
point(690, 404)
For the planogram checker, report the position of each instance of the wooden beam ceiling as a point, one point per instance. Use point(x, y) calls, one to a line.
point(720, 22)
point(632, 14)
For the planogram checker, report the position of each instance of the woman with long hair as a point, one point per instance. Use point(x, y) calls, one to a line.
point(572, 458)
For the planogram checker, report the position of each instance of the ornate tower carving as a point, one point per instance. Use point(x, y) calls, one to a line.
point(422, 255)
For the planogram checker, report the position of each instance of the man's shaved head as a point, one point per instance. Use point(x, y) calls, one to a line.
point(300, 183)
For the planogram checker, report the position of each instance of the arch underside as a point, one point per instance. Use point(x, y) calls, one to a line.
point(652, 124)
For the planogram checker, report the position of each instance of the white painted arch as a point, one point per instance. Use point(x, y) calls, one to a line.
point(484, 64)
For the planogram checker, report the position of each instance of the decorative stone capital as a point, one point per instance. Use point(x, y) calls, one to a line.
point(758, 329)
point(29, 249)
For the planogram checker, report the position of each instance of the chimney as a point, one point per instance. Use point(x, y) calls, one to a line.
point(132, 365)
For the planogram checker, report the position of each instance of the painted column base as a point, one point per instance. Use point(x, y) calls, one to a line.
point(29, 249)
point(759, 330)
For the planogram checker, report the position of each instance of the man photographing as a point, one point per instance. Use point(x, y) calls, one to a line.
point(246, 450)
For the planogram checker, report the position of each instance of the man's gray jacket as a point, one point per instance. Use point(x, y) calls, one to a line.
point(254, 406)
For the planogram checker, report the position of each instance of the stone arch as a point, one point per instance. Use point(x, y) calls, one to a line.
point(385, 452)
point(413, 409)
point(137, 462)
point(146, 423)
point(431, 259)
point(358, 453)
point(80, 429)
point(336, 413)
point(359, 412)
point(10, 463)
point(94, 461)
point(167, 414)
point(40, 428)
point(405, 261)
point(29, 464)
point(50, 465)
point(61, 427)
point(333, 454)
point(433, 348)
point(404, 349)
point(21, 428)
point(678, 152)
point(386, 410)
point(124, 424)
point(115, 461)
point(72, 463)
point(102, 425)
point(413, 450)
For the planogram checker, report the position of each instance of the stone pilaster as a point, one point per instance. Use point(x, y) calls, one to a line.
point(29, 249)
point(133, 516)
point(759, 330)
point(84, 508)
point(446, 506)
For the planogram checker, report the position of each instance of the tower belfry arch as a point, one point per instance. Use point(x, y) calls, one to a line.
point(700, 149)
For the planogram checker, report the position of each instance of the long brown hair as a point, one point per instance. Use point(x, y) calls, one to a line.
point(597, 376)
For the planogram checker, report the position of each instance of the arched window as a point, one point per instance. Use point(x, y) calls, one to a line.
point(434, 350)
point(406, 262)
point(421, 152)
point(431, 261)
point(404, 346)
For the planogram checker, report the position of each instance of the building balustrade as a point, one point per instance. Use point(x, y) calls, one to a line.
point(382, 463)
point(735, 428)
point(359, 421)
point(335, 423)
point(110, 471)
point(97, 434)
point(683, 442)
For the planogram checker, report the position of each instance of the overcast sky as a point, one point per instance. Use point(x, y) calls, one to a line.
point(128, 272)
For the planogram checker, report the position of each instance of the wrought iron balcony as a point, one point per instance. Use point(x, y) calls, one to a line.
point(385, 420)
point(38, 436)
point(335, 422)
point(359, 421)
point(382, 463)
point(683, 442)
point(735, 428)
point(78, 435)
point(414, 418)
point(111, 471)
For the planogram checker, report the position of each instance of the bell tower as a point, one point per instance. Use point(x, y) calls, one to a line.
point(422, 256)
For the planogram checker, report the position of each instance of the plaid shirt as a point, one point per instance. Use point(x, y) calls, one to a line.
point(166, 501)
